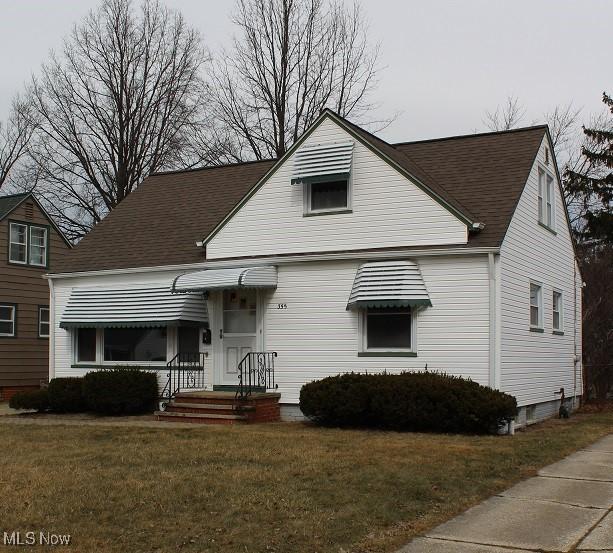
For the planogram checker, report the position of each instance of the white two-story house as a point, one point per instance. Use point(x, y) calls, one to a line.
point(347, 254)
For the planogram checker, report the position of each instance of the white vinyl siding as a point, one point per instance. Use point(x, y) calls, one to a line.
point(387, 210)
point(316, 336)
point(533, 364)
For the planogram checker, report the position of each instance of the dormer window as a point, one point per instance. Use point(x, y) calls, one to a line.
point(324, 171)
point(28, 244)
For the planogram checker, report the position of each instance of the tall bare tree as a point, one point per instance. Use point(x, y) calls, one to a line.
point(291, 59)
point(15, 135)
point(116, 105)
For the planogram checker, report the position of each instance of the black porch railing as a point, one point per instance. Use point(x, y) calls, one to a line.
point(256, 373)
point(185, 372)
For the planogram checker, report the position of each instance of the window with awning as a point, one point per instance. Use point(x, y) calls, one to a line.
point(226, 279)
point(386, 284)
point(130, 307)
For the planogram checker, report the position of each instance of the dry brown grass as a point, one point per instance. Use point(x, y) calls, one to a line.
point(270, 488)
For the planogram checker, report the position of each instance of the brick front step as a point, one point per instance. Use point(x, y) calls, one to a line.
point(197, 418)
point(222, 408)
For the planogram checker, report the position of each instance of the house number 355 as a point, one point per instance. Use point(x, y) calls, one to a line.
point(282, 306)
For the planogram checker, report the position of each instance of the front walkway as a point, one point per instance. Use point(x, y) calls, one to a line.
point(567, 507)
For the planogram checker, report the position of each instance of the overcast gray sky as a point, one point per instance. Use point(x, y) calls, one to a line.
point(446, 62)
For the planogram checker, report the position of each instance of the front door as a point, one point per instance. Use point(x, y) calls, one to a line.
point(239, 330)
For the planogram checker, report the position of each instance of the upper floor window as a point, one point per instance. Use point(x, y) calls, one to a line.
point(324, 172)
point(327, 196)
point(8, 316)
point(546, 199)
point(28, 244)
point(536, 306)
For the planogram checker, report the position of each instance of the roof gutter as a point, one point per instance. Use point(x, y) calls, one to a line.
point(283, 260)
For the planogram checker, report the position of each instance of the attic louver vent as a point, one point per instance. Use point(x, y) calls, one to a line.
point(29, 209)
point(330, 161)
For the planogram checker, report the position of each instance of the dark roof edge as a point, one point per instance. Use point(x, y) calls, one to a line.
point(473, 135)
point(208, 167)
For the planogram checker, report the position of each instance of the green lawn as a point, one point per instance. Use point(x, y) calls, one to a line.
point(268, 488)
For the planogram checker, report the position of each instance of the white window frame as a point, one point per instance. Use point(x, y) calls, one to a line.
point(546, 199)
point(560, 294)
point(363, 336)
point(539, 306)
point(44, 247)
point(12, 320)
point(75, 348)
point(42, 308)
point(307, 198)
point(26, 235)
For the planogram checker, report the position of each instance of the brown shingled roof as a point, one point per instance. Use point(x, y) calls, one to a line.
point(160, 222)
point(482, 176)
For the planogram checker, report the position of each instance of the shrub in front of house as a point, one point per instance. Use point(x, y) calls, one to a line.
point(35, 399)
point(410, 401)
point(66, 395)
point(121, 391)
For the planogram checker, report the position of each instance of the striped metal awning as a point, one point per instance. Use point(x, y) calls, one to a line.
point(322, 162)
point(388, 284)
point(145, 306)
point(226, 279)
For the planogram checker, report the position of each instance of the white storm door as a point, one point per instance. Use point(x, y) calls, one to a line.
point(239, 330)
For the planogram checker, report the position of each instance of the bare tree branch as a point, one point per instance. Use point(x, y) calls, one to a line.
point(121, 101)
point(506, 117)
point(291, 59)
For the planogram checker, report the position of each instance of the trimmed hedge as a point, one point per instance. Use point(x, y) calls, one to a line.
point(36, 399)
point(410, 401)
point(121, 391)
point(66, 395)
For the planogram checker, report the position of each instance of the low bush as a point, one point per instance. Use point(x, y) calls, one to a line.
point(410, 401)
point(66, 395)
point(120, 391)
point(36, 399)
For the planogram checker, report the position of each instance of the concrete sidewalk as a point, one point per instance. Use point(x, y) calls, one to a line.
point(567, 507)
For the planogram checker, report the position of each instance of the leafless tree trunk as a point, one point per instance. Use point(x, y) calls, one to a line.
point(15, 135)
point(118, 104)
point(291, 59)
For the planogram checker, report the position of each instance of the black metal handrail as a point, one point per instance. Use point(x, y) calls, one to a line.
point(185, 372)
point(256, 371)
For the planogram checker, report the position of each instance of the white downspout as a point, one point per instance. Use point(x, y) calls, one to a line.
point(575, 357)
point(51, 329)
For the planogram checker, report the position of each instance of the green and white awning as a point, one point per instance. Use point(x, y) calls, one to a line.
point(327, 162)
point(388, 284)
point(144, 306)
point(226, 279)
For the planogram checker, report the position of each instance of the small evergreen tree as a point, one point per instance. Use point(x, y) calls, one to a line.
point(592, 181)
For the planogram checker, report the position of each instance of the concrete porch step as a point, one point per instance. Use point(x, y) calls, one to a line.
point(201, 418)
point(204, 408)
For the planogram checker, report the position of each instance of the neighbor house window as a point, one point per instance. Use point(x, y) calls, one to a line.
point(557, 311)
point(135, 344)
point(325, 197)
point(8, 316)
point(43, 322)
point(38, 246)
point(28, 244)
point(18, 243)
point(536, 306)
point(546, 199)
point(388, 329)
